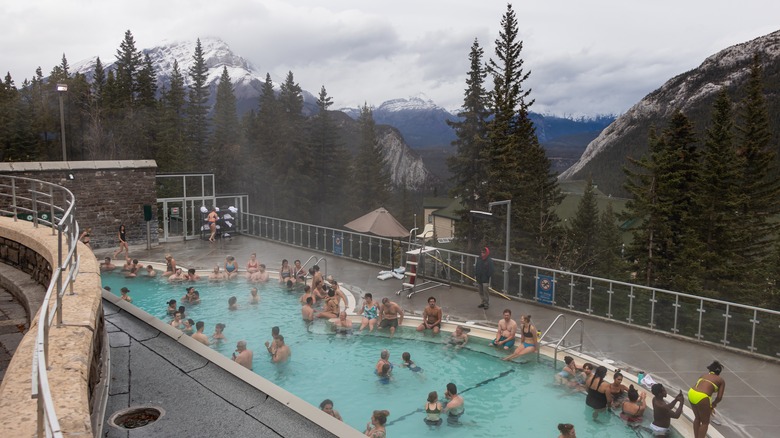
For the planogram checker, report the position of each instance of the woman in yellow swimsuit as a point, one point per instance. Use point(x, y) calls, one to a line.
point(700, 397)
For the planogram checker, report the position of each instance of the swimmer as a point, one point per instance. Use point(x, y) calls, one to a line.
point(566, 430)
point(343, 325)
point(150, 271)
point(188, 323)
point(195, 297)
point(253, 297)
point(259, 276)
point(285, 272)
point(128, 264)
point(172, 307)
point(618, 389)
point(376, 426)
point(459, 338)
point(177, 322)
point(384, 374)
point(218, 335)
point(433, 410)
point(107, 265)
point(198, 335)
point(232, 303)
point(282, 352)
point(598, 396)
point(125, 296)
point(633, 409)
point(455, 405)
point(299, 273)
point(187, 298)
point(505, 335)
point(306, 295)
point(244, 356)
point(406, 359)
point(384, 359)
point(216, 274)
point(177, 276)
point(664, 412)
point(191, 275)
point(331, 308)
point(327, 405)
point(567, 374)
point(307, 311)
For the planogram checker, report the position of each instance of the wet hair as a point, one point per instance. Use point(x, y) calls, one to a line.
point(135, 261)
point(381, 417)
point(253, 291)
point(309, 300)
point(633, 394)
point(199, 325)
point(368, 295)
point(196, 293)
point(567, 359)
point(190, 288)
point(432, 396)
point(232, 300)
point(241, 344)
point(601, 371)
point(617, 374)
point(182, 310)
point(191, 271)
point(108, 288)
point(385, 369)
point(527, 317)
point(280, 338)
point(565, 428)
point(316, 268)
point(191, 321)
point(290, 284)
point(657, 389)
point(275, 331)
point(326, 402)
point(331, 293)
point(384, 354)
point(385, 300)
point(149, 267)
point(220, 326)
point(108, 259)
point(587, 365)
point(406, 356)
point(172, 303)
point(124, 290)
point(715, 367)
point(306, 289)
point(452, 389)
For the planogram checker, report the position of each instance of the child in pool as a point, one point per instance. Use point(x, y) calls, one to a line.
point(407, 363)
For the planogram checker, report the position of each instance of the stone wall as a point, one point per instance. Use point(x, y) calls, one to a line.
point(108, 193)
point(26, 260)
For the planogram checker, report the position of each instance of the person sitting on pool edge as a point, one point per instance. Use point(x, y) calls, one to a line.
point(390, 315)
point(331, 308)
point(170, 265)
point(231, 267)
point(432, 316)
point(505, 335)
point(454, 406)
point(528, 338)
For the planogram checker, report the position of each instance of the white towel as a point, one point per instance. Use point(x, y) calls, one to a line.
point(648, 381)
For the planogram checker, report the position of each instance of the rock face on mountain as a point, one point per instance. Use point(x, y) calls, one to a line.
point(693, 93)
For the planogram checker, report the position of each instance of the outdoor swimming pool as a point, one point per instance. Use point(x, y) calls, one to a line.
point(501, 399)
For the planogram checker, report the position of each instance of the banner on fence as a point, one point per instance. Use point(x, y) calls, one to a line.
point(338, 243)
point(545, 289)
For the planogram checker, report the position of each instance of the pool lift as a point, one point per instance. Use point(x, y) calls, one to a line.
point(416, 258)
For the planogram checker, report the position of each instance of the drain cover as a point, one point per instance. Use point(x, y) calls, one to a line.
point(136, 416)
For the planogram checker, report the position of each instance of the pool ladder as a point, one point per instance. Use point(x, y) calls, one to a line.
point(317, 261)
point(557, 347)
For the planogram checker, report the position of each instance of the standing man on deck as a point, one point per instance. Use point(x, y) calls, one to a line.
point(483, 272)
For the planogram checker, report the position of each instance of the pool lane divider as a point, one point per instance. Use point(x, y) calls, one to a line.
point(482, 383)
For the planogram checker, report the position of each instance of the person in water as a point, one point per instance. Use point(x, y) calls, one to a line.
point(459, 338)
point(433, 410)
point(700, 397)
point(455, 405)
point(664, 412)
point(406, 362)
point(633, 409)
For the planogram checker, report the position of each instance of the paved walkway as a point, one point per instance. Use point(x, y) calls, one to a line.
point(13, 326)
point(751, 407)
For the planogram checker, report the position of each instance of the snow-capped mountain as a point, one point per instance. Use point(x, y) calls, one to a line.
point(691, 92)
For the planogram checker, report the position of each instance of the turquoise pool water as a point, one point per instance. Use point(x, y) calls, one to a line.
point(502, 399)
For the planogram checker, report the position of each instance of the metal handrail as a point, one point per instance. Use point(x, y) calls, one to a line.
point(544, 333)
point(570, 347)
point(742, 327)
point(41, 199)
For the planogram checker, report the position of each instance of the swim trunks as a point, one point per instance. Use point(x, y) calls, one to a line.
point(508, 345)
point(388, 323)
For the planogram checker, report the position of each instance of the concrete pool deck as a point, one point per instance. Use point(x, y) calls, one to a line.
point(751, 407)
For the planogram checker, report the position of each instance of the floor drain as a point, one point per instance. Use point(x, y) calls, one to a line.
point(135, 417)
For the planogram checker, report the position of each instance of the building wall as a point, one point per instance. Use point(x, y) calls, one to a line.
point(444, 227)
point(108, 193)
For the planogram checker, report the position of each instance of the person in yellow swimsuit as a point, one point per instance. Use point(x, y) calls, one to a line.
point(700, 397)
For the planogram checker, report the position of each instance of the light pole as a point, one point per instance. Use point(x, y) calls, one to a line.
point(62, 89)
point(508, 204)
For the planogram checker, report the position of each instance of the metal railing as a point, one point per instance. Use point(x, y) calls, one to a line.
point(50, 205)
point(707, 320)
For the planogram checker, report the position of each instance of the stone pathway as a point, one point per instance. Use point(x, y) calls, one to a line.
point(13, 326)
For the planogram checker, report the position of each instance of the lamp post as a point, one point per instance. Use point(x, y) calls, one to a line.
point(62, 89)
point(508, 204)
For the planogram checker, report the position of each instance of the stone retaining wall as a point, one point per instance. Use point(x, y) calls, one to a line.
point(73, 347)
point(109, 193)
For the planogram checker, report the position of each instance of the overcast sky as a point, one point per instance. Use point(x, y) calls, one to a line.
point(585, 57)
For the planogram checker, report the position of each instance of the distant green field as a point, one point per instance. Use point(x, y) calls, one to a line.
point(573, 191)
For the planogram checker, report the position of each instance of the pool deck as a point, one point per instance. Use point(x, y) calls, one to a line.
point(751, 407)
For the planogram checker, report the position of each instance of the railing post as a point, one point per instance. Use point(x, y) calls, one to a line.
point(726, 317)
point(59, 279)
point(676, 306)
point(571, 291)
point(701, 311)
point(631, 297)
point(652, 310)
point(755, 322)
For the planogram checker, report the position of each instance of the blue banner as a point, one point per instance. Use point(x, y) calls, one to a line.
point(338, 243)
point(545, 289)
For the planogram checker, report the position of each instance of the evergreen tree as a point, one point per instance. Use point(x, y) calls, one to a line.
point(759, 185)
point(583, 233)
point(128, 62)
point(197, 109)
point(266, 159)
point(173, 147)
point(98, 80)
point(468, 165)
point(719, 222)
point(368, 167)
point(517, 166)
point(609, 247)
point(295, 186)
point(328, 150)
point(147, 84)
point(224, 150)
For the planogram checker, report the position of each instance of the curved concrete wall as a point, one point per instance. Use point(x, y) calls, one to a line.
point(71, 346)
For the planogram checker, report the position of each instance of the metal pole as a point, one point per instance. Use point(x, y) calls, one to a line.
point(508, 228)
point(62, 127)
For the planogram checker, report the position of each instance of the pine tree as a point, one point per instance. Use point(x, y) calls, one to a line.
point(224, 144)
point(759, 185)
point(583, 233)
point(98, 80)
point(517, 166)
point(173, 147)
point(329, 151)
point(265, 158)
point(468, 165)
point(368, 167)
point(128, 62)
point(147, 84)
point(609, 247)
point(197, 109)
point(720, 200)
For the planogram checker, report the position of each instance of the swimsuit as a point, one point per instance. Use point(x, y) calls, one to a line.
point(252, 265)
point(695, 396)
point(231, 267)
point(388, 323)
point(595, 399)
point(370, 312)
point(658, 430)
point(285, 272)
point(456, 341)
point(631, 418)
point(508, 345)
point(122, 236)
point(169, 266)
point(432, 416)
point(453, 416)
